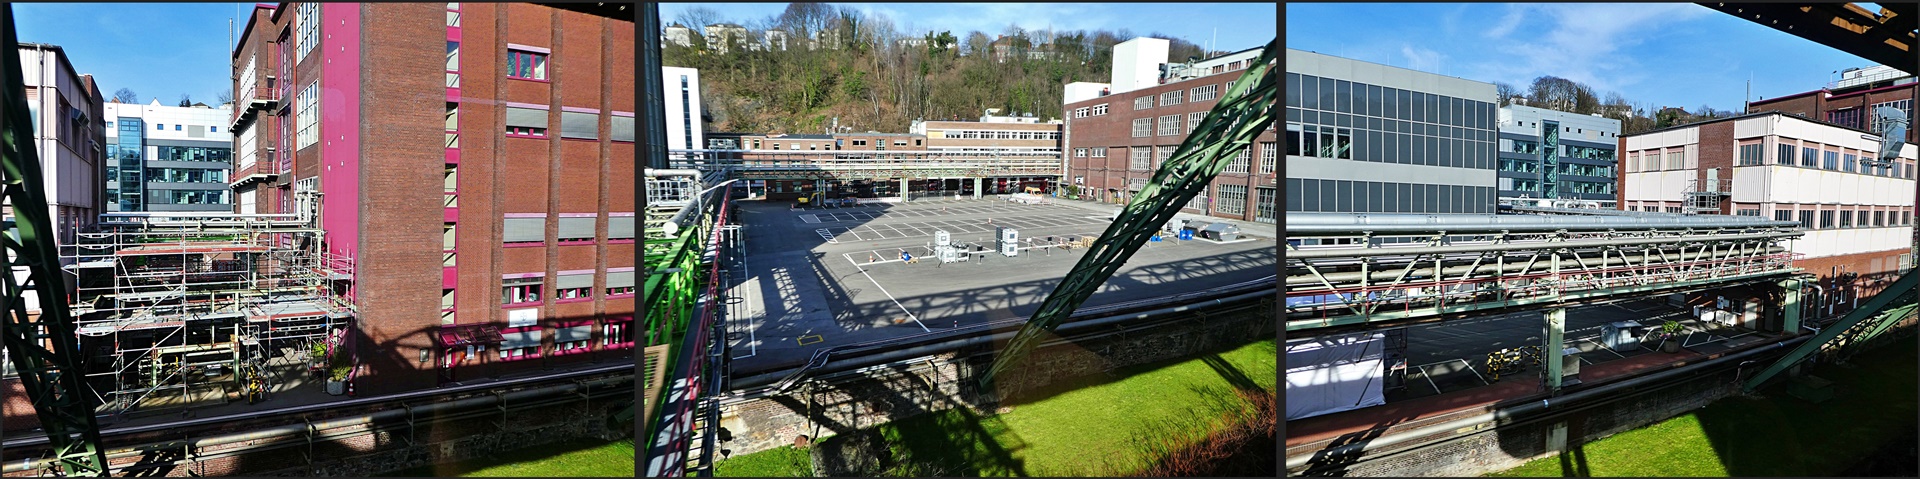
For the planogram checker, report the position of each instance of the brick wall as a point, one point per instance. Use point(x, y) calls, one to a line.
point(1716, 150)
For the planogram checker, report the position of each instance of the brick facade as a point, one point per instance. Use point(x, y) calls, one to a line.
point(1112, 178)
point(398, 180)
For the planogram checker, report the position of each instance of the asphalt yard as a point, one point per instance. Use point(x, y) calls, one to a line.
point(1451, 355)
point(817, 278)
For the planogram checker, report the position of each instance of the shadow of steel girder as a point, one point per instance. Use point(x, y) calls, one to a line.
point(1886, 37)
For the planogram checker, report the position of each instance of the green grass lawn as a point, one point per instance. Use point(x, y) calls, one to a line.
point(1777, 435)
point(577, 458)
point(1095, 428)
point(783, 461)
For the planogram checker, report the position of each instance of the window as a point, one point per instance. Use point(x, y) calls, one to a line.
point(1830, 160)
point(526, 122)
point(1673, 160)
point(1240, 162)
point(1809, 157)
point(1143, 103)
point(1755, 212)
point(526, 65)
point(1847, 161)
point(1100, 109)
point(1268, 162)
point(520, 343)
point(1826, 219)
point(1170, 98)
point(620, 283)
point(573, 286)
point(622, 127)
point(1169, 125)
point(859, 142)
point(1139, 160)
point(1879, 219)
point(1203, 93)
point(579, 125)
point(1079, 152)
point(309, 20)
point(1785, 155)
point(1806, 219)
point(1193, 120)
point(521, 290)
point(1750, 154)
point(1846, 219)
point(616, 333)
point(1099, 152)
point(620, 227)
point(524, 230)
point(1905, 106)
point(160, 127)
point(1161, 154)
point(1080, 112)
point(309, 115)
point(576, 228)
point(1783, 215)
point(1232, 199)
point(1142, 127)
point(1862, 220)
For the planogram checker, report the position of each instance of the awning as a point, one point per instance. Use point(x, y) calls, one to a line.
point(521, 339)
point(577, 333)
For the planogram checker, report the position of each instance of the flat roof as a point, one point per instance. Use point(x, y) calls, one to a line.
point(1750, 115)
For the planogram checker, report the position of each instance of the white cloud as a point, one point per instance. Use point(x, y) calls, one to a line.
point(1422, 59)
point(1579, 42)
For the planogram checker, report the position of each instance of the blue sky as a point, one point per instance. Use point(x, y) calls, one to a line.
point(1239, 25)
point(1680, 54)
point(160, 50)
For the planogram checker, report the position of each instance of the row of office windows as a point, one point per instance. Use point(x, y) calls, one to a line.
point(1001, 135)
point(1341, 96)
point(1837, 217)
point(573, 229)
point(1344, 196)
point(1868, 118)
point(571, 285)
point(1530, 147)
point(1533, 166)
point(1387, 147)
point(1524, 185)
point(1814, 155)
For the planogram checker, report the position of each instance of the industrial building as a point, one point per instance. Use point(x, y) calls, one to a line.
point(343, 260)
point(169, 158)
point(1851, 99)
point(1370, 138)
point(1556, 155)
point(686, 122)
point(1858, 214)
point(1118, 134)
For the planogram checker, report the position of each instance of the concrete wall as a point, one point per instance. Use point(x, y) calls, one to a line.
point(898, 391)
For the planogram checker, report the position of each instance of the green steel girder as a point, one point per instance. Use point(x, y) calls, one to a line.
point(44, 349)
point(1900, 289)
point(1244, 110)
point(1552, 300)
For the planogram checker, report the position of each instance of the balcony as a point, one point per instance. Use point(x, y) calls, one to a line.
point(264, 98)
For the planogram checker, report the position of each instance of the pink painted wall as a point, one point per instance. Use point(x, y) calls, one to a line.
point(340, 126)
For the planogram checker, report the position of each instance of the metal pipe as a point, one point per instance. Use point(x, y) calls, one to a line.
point(1377, 223)
point(952, 344)
point(1512, 414)
point(1322, 253)
point(1391, 273)
point(426, 410)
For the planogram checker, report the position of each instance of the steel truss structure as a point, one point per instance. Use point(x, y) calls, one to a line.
point(684, 240)
point(1339, 276)
point(175, 309)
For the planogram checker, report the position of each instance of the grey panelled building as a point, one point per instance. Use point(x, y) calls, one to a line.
point(1370, 138)
point(1582, 165)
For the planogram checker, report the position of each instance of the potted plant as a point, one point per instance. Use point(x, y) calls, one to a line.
point(1668, 334)
point(337, 370)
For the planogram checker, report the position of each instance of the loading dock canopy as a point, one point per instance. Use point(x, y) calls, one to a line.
point(521, 339)
point(470, 335)
point(577, 333)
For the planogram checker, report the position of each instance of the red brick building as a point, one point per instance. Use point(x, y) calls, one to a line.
point(1114, 143)
point(476, 163)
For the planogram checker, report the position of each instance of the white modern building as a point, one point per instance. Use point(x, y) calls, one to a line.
point(684, 128)
point(1557, 155)
point(1858, 213)
point(169, 158)
point(678, 35)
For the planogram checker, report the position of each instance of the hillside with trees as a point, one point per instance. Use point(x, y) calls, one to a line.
point(870, 75)
point(1555, 93)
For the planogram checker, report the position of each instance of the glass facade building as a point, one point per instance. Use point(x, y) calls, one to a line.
point(168, 158)
point(1370, 138)
point(1553, 154)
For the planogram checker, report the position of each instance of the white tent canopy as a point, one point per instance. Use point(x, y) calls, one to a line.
point(1330, 374)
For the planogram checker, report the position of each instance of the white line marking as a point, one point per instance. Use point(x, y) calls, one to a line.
point(896, 302)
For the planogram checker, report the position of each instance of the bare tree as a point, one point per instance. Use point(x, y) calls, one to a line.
point(186, 100)
point(807, 18)
point(697, 18)
point(125, 95)
point(224, 97)
point(1505, 92)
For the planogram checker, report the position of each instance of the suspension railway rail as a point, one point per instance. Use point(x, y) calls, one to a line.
point(1348, 270)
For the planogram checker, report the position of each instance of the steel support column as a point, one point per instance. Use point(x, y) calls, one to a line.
point(904, 190)
point(976, 187)
point(1556, 325)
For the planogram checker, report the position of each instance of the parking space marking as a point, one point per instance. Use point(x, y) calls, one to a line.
point(827, 235)
point(803, 339)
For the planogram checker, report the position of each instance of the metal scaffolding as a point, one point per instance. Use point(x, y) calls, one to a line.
point(175, 310)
